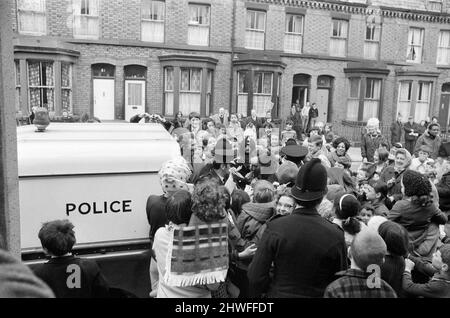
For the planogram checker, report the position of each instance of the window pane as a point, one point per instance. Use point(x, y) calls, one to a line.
point(17, 71)
point(257, 83)
point(34, 77)
point(66, 80)
point(152, 31)
point(196, 80)
point(243, 88)
point(298, 24)
point(169, 79)
point(354, 87)
point(32, 5)
point(405, 91)
point(47, 74)
point(260, 22)
point(66, 99)
point(267, 85)
point(184, 79)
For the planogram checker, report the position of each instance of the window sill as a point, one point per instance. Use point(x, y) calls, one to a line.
point(85, 37)
point(32, 33)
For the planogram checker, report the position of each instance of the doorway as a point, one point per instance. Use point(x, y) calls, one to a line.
point(444, 114)
point(301, 89)
point(103, 91)
point(135, 76)
point(324, 93)
point(104, 99)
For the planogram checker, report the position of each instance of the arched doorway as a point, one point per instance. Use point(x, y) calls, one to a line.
point(301, 89)
point(103, 87)
point(135, 76)
point(324, 94)
point(444, 114)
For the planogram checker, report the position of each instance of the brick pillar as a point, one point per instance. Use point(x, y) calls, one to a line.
point(58, 102)
point(119, 94)
point(9, 190)
point(24, 107)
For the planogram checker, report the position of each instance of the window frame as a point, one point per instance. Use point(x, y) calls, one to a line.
point(362, 85)
point(434, 2)
point(17, 85)
point(294, 34)
point(439, 47)
point(254, 30)
point(153, 21)
point(195, 24)
point(67, 88)
point(339, 37)
point(42, 13)
point(422, 40)
point(41, 87)
point(87, 16)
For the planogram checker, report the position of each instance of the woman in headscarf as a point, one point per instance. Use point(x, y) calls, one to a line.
point(173, 176)
point(392, 175)
point(339, 158)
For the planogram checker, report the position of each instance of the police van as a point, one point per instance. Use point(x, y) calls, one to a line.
point(99, 176)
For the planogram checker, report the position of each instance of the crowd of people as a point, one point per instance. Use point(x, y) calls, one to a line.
point(301, 222)
point(249, 211)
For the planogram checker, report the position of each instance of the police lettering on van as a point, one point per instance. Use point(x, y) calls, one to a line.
point(99, 208)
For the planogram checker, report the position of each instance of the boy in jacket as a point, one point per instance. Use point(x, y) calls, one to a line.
point(439, 285)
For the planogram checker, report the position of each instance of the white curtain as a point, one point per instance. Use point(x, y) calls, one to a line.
point(352, 109)
point(198, 35)
point(169, 103)
point(338, 47)
point(371, 50)
point(404, 102)
point(415, 39)
point(422, 111)
point(262, 103)
point(85, 26)
point(242, 104)
point(152, 31)
point(189, 102)
point(293, 43)
point(85, 23)
point(443, 54)
point(32, 17)
point(423, 102)
point(254, 39)
point(370, 109)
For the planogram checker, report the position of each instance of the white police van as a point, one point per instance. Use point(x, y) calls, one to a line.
point(97, 175)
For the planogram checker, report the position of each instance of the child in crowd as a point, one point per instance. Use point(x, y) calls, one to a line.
point(439, 285)
point(422, 163)
point(376, 194)
point(68, 276)
point(397, 242)
point(347, 208)
point(367, 212)
point(367, 251)
point(288, 132)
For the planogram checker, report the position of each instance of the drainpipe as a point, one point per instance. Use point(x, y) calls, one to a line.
point(233, 43)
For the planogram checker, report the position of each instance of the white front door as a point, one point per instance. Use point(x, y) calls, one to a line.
point(104, 99)
point(322, 104)
point(134, 98)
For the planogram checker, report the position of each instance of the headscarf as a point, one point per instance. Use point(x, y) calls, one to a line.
point(408, 159)
point(174, 174)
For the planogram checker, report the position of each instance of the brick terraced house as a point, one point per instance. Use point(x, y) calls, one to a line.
point(355, 59)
